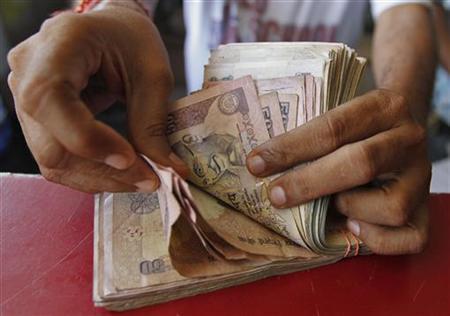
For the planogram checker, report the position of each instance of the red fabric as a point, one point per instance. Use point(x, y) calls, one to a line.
point(87, 5)
point(46, 234)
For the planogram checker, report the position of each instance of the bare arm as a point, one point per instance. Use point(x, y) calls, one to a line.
point(78, 65)
point(372, 137)
point(405, 56)
point(442, 35)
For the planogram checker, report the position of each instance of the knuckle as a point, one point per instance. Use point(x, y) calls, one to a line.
point(297, 188)
point(43, 158)
point(378, 245)
point(275, 154)
point(335, 130)
point(12, 82)
point(16, 56)
point(52, 156)
point(420, 242)
point(365, 163)
point(392, 103)
point(342, 203)
point(398, 104)
point(12, 57)
point(381, 98)
point(51, 175)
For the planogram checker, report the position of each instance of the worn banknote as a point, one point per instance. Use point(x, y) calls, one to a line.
point(213, 131)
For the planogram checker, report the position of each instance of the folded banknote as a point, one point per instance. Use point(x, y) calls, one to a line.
point(218, 228)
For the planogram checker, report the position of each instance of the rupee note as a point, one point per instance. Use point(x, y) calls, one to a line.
point(212, 131)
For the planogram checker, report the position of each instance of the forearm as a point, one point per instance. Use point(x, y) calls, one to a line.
point(404, 56)
point(442, 35)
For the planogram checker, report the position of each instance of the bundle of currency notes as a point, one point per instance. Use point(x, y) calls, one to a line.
point(219, 229)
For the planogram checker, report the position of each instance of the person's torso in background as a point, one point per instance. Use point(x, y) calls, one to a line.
point(210, 23)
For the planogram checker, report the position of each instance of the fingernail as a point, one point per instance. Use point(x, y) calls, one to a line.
point(176, 160)
point(353, 226)
point(117, 161)
point(278, 196)
point(146, 186)
point(256, 164)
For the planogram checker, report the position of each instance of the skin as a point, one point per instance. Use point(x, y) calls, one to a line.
point(442, 34)
point(60, 81)
point(378, 136)
point(78, 65)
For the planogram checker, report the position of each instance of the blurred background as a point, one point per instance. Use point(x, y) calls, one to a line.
point(20, 19)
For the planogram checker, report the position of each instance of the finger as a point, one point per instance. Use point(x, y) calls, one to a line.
point(12, 81)
point(86, 182)
point(65, 116)
point(50, 94)
point(411, 238)
point(390, 204)
point(46, 150)
point(57, 164)
point(147, 116)
point(355, 120)
point(48, 153)
point(139, 176)
point(17, 57)
point(349, 166)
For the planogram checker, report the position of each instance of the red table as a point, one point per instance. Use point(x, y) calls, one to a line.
point(46, 268)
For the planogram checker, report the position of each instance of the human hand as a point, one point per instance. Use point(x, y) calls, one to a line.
point(78, 65)
point(372, 137)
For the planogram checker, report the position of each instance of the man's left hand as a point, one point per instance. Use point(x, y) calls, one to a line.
point(372, 154)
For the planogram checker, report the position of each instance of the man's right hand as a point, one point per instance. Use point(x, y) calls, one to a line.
point(78, 65)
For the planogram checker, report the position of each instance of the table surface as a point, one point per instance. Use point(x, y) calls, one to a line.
point(46, 268)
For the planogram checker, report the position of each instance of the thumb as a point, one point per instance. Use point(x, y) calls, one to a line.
point(147, 119)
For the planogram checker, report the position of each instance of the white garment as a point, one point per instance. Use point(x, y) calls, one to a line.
point(212, 22)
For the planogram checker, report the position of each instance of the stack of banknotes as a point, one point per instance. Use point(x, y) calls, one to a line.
point(219, 229)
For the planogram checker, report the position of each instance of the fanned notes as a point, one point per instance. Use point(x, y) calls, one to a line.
point(219, 228)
